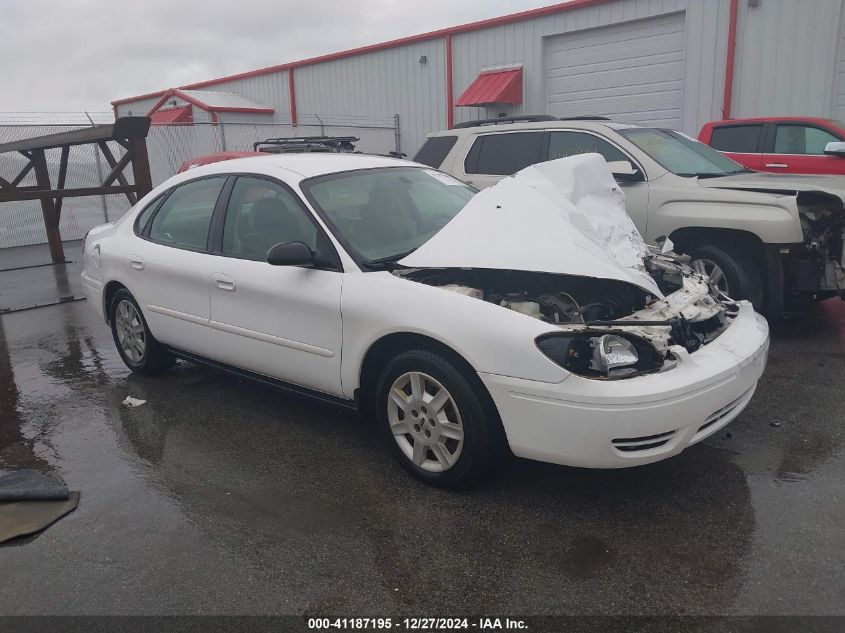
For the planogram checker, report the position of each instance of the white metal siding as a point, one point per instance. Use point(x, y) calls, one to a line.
point(839, 83)
point(137, 108)
point(786, 58)
point(381, 84)
point(270, 90)
point(786, 63)
point(523, 43)
point(632, 71)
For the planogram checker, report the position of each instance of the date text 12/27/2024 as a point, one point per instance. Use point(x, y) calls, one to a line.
point(417, 624)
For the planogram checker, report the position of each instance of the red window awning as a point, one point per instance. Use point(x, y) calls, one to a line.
point(494, 86)
point(172, 115)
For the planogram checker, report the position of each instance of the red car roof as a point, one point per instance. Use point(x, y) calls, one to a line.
point(775, 119)
point(214, 158)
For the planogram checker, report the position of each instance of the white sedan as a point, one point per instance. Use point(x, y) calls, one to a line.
point(530, 315)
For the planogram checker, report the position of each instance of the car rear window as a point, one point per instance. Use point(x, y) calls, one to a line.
point(504, 154)
point(434, 150)
point(144, 216)
point(184, 218)
point(736, 138)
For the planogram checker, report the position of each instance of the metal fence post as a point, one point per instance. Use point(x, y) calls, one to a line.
point(103, 202)
point(396, 132)
point(222, 135)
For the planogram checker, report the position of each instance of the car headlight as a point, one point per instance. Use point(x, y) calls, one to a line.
point(605, 355)
point(611, 352)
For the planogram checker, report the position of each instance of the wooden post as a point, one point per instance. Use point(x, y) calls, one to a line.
point(48, 208)
point(140, 166)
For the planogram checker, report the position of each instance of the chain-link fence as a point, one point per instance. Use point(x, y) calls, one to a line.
point(21, 223)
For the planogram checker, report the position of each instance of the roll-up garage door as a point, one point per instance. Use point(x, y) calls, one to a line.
point(631, 71)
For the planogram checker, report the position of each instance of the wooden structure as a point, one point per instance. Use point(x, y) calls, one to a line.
point(128, 132)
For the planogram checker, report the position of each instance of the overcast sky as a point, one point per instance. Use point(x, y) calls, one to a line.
point(75, 55)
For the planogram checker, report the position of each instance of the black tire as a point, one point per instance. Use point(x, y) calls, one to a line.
point(741, 272)
point(483, 436)
point(154, 358)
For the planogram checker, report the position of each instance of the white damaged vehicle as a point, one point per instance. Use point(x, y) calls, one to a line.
point(530, 315)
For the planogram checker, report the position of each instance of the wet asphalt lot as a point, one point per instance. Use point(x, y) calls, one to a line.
point(221, 496)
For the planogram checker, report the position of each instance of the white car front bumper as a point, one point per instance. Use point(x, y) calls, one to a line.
point(620, 423)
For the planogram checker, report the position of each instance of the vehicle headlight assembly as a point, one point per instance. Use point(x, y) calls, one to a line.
point(601, 355)
point(612, 352)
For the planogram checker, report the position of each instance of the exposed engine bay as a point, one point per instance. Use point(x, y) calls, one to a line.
point(619, 316)
point(819, 263)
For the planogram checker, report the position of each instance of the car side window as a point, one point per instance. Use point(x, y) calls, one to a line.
point(262, 214)
point(563, 144)
point(146, 213)
point(434, 150)
point(184, 218)
point(503, 154)
point(742, 139)
point(800, 139)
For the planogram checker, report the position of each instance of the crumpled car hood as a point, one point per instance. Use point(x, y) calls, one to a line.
point(565, 216)
point(786, 183)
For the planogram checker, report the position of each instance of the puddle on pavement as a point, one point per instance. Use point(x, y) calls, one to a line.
point(310, 490)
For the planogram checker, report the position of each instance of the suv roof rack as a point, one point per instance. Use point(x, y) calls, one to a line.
point(527, 118)
point(302, 144)
point(586, 117)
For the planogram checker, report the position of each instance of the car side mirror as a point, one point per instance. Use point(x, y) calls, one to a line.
point(624, 171)
point(835, 148)
point(290, 254)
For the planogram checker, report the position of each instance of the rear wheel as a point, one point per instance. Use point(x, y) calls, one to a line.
point(733, 273)
point(437, 426)
point(138, 349)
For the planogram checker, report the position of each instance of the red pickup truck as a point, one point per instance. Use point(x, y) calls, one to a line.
point(788, 145)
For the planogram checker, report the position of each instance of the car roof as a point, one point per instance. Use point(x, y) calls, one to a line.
point(581, 124)
point(299, 166)
point(776, 119)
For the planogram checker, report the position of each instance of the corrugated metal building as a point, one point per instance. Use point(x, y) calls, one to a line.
point(676, 63)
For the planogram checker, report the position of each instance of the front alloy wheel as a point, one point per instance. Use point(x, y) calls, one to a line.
point(709, 268)
point(425, 422)
point(438, 419)
point(734, 272)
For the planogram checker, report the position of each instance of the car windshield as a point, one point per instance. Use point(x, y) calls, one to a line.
point(381, 215)
point(680, 154)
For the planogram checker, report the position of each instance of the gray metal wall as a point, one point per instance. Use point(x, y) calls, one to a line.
point(786, 58)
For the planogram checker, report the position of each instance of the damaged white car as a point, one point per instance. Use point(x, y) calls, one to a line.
point(530, 315)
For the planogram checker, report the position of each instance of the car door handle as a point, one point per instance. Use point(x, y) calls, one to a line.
point(776, 165)
point(224, 282)
point(137, 264)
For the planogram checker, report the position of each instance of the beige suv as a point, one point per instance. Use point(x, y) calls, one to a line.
point(774, 239)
